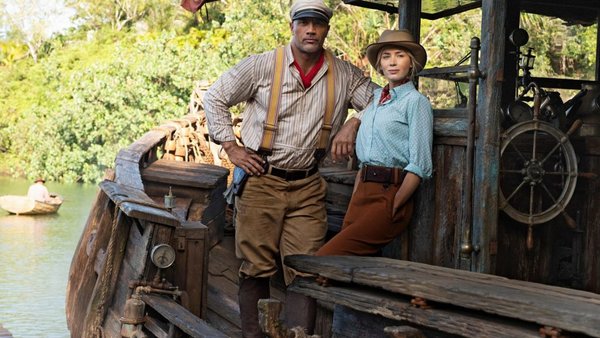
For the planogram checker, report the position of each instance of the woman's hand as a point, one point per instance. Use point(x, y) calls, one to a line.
point(249, 161)
point(409, 185)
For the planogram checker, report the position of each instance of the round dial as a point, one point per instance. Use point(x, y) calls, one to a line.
point(162, 255)
point(518, 111)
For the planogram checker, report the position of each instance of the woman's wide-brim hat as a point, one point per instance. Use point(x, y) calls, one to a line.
point(398, 38)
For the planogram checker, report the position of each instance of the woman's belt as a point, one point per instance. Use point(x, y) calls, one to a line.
point(292, 175)
point(373, 173)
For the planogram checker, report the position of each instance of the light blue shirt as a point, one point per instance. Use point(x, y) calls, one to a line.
point(397, 133)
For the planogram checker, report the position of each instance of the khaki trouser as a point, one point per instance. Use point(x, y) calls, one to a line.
point(278, 216)
point(368, 224)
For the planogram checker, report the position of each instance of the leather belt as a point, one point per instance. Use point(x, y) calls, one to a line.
point(292, 175)
point(387, 175)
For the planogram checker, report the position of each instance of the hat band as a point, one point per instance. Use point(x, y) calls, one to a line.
point(310, 13)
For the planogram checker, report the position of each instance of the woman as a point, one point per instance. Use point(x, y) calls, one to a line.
point(393, 146)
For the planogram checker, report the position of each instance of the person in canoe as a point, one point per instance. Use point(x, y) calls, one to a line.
point(38, 191)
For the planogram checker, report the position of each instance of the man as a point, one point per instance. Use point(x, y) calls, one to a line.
point(282, 210)
point(38, 191)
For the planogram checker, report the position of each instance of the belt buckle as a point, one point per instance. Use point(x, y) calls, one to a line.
point(296, 174)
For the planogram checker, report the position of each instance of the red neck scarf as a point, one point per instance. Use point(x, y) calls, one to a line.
point(308, 77)
point(385, 93)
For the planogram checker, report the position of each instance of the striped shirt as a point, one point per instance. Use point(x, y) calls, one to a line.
point(301, 109)
point(398, 132)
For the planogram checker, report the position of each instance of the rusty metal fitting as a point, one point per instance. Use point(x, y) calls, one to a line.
point(419, 302)
point(135, 310)
point(552, 332)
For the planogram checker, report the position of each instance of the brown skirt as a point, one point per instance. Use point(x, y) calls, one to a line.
point(368, 225)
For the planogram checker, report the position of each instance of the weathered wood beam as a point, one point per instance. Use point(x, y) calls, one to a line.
point(136, 204)
point(396, 307)
point(487, 144)
point(568, 309)
point(181, 317)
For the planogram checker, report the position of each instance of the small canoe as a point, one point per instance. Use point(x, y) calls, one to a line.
point(23, 205)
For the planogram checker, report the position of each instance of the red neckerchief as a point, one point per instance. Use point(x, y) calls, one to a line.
point(307, 79)
point(385, 93)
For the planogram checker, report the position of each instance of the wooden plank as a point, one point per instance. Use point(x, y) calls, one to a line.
point(200, 175)
point(449, 216)
point(136, 204)
point(223, 325)
point(191, 270)
point(567, 309)
point(338, 175)
point(128, 173)
point(451, 141)
point(181, 317)
point(487, 153)
point(324, 319)
point(393, 306)
point(104, 289)
point(138, 150)
point(225, 304)
point(82, 278)
point(449, 127)
point(350, 323)
point(156, 328)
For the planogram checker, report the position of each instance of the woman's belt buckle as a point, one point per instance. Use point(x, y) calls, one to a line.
point(379, 174)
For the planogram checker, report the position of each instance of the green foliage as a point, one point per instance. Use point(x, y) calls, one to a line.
point(85, 103)
point(133, 64)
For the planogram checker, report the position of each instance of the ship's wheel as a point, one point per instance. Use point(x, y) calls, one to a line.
point(538, 173)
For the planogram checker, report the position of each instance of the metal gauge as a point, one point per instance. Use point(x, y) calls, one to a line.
point(162, 255)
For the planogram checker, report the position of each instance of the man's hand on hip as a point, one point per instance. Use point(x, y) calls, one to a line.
point(249, 161)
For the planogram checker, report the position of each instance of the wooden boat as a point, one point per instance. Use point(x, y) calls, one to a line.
point(155, 257)
point(23, 205)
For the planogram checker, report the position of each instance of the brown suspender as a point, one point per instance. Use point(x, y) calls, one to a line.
point(270, 125)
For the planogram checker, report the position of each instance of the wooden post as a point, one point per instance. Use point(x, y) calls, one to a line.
point(487, 154)
point(268, 317)
point(597, 44)
point(409, 17)
point(510, 55)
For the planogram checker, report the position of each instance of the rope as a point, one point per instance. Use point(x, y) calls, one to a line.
point(96, 325)
point(95, 328)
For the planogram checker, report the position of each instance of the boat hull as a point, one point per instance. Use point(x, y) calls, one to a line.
point(22, 205)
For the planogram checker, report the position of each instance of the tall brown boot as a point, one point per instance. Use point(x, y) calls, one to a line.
point(250, 291)
point(300, 311)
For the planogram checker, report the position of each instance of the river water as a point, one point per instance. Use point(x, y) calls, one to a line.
point(35, 257)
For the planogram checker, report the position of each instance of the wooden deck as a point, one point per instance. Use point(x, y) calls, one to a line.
point(222, 296)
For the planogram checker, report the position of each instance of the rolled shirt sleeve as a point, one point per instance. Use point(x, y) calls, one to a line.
point(420, 138)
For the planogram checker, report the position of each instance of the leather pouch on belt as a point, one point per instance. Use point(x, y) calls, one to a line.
point(377, 174)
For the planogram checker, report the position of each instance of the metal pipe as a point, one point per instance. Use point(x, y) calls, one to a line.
point(466, 247)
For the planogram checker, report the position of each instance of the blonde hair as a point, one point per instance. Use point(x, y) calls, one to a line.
point(412, 74)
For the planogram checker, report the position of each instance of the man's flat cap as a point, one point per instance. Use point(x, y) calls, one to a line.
point(310, 9)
